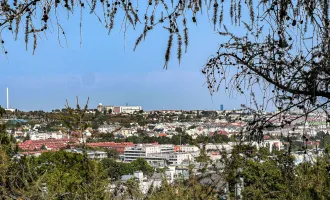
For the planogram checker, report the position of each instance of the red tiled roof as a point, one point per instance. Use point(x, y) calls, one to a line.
point(266, 137)
point(110, 144)
point(220, 132)
point(49, 143)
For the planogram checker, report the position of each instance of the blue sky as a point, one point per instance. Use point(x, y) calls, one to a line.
point(109, 73)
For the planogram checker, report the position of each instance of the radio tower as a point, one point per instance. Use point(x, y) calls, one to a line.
point(9, 109)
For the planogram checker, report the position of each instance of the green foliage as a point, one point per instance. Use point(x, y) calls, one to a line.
point(216, 138)
point(75, 119)
point(178, 129)
point(133, 190)
point(43, 147)
point(141, 164)
point(27, 137)
point(63, 173)
point(189, 189)
point(7, 142)
point(4, 160)
point(112, 153)
point(313, 180)
point(2, 111)
point(325, 141)
point(297, 145)
point(126, 125)
point(192, 127)
point(116, 169)
point(265, 180)
point(69, 176)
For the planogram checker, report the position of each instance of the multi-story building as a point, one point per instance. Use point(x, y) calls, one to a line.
point(178, 158)
point(119, 147)
point(103, 108)
point(140, 151)
point(186, 148)
point(44, 136)
point(106, 128)
point(160, 155)
point(129, 109)
point(192, 150)
point(97, 155)
point(156, 155)
point(176, 112)
point(167, 148)
point(119, 109)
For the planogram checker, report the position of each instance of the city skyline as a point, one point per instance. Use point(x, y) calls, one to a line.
point(108, 73)
point(94, 106)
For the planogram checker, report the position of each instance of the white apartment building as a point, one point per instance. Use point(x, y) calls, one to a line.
point(145, 150)
point(140, 151)
point(192, 150)
point(188, 148)
point(130, 109)
point(97, 155)
point(218, 147)
point(160, 155)
point(166, 148)
point(106, 128)
point(178, 158)
point(45, 136)
point(119, 109)
point(156, 155)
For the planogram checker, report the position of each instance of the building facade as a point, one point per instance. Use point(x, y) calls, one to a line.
point(179, 158)
point(119, 109)
point(130, 109)
point(106, 128)
point(156, 155)
point(159, 155)
point(102, 108)
point(119, 147)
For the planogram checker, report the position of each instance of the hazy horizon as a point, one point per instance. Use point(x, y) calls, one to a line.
point(107, 72)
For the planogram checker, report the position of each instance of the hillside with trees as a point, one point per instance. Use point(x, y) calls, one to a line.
point(278, 47)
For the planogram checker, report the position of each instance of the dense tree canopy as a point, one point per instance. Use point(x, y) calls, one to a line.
point(116, 169)
point(63, 173)
point(283, 51)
